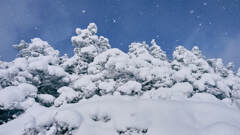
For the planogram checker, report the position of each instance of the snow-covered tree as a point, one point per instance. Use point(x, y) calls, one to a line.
point(36, 48)
point(156, 51)
point(238, 72)
point(39, 65)
point(88, 44)
point(197, 52)
point(218, 66)
point(204, 75)
point(138, 49)
point(230, 66)
point(75, 65)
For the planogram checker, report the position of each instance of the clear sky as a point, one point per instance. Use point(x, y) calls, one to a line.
point(213, 25)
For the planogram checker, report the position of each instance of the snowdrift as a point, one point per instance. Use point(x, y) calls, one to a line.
point(121, 115)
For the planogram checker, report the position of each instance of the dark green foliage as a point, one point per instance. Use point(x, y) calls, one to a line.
point(132, 131)
point(5, 82)
point(7, 115)
point(48, 84)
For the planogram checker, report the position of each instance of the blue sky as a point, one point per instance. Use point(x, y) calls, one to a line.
point(213, 25)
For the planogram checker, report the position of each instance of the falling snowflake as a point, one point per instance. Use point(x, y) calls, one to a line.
point(114, 20)
point(191, 11)
point(84, 11)
point(205, 3)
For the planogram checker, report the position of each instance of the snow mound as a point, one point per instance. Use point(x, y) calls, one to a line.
point(69, 118)
point(114, 115)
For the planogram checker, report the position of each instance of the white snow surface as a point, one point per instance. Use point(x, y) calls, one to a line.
point(166, 117)
point(129, 87)
point(12, 96)
point(67, 94)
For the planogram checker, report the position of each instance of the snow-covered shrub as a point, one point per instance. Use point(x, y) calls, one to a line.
point(238, 72)
point(63, 123)
point(132, 131)
point(157, 52)
point(103, 117)
point(86, 85)
point(87, 44)
point(45, 99)
point(112, 64)
point(218, 66)
point(39, 65)
point(12, 96)
point(130, 88)
point(75, 65)
point(67, 95)
point(9, 114)
point(106, 86)
point(72, 121)
point(178, 91)
point(14, 100)
point(36, 48)
point(47, 75)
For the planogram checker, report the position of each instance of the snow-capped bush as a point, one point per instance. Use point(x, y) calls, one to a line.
point(85, 85)
point(36, 48)
point(106, 86)
point(62, 123)
point(67, 95)
point(73, 119)
point(130, 88)
point(12, 96)
point(45, 99)
point(87, 44)
point(15, 99)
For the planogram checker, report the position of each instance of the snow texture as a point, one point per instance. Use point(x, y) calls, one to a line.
point(110, 115)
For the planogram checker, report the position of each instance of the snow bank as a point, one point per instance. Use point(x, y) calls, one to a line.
point(113, 115)
point(69, 118)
